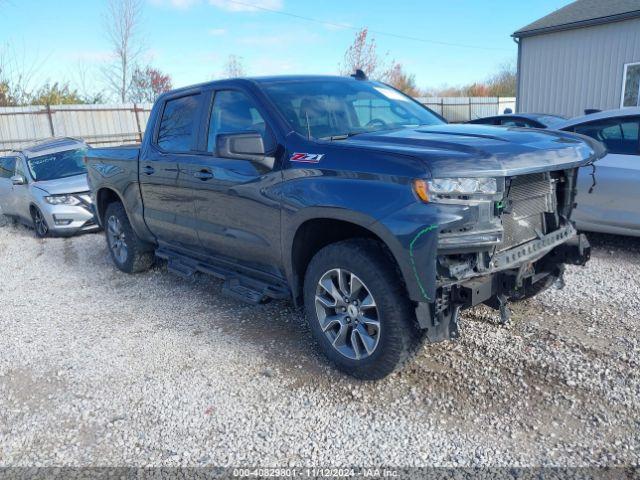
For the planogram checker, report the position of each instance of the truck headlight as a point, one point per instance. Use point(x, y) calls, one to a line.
point(463, 186)
point(62, 200)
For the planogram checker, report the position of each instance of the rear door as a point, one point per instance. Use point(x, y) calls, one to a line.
point(615, 200)
point(7, 167)
point(235, 215)
point(168, 209)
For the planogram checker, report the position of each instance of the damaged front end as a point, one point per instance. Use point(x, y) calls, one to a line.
point(502, 242)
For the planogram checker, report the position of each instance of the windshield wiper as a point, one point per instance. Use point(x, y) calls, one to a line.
point(343, 136)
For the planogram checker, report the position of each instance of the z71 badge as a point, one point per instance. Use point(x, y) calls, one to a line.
point(307, 157)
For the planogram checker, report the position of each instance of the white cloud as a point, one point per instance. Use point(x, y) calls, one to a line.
point(247, 5)
point(216, 32)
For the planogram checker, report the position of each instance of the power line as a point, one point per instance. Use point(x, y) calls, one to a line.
point(351, 27)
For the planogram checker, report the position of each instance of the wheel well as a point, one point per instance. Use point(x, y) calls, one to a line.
point(104, 198)
point(313, 235)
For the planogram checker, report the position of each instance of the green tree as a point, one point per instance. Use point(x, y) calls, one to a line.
point(56, 94)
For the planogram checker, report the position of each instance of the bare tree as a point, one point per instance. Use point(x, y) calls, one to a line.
point(17, 76)
point(122, 24)
point(233, 67)
point(362, 55)
point(83, 79)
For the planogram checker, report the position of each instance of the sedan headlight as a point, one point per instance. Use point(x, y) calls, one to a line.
point(463, 186)
point(62, 200)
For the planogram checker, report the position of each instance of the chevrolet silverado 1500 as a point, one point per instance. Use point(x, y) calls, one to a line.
point(350, 198)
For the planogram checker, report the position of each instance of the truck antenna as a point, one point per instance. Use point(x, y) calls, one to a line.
point(306, 114)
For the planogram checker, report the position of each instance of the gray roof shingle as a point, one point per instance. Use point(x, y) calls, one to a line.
point(582, 13)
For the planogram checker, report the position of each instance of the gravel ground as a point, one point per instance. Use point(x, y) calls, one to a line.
point(98, 368)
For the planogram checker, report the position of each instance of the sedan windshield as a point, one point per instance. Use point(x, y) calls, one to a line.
point(336, 109)
point(57, 165)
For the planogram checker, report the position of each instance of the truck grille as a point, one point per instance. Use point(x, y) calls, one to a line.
point(528, 197)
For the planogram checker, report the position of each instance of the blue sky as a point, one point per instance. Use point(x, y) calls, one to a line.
point(191, 39)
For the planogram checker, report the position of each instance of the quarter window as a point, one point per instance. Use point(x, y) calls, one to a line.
point(178, 124)
point(618, 135)
point(631, 85)
point(7, 167)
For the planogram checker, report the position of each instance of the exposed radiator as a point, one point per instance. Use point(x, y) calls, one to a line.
point(528, 197)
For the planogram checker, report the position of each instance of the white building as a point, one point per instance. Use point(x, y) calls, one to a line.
point(585, 55)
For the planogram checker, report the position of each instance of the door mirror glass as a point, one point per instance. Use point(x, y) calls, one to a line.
point(18, 180)
point(243, 146)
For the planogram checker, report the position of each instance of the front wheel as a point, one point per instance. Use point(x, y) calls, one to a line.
point(358, 310)
point(40, 225)
point(128, 252)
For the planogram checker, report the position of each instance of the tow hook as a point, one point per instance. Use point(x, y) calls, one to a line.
point(503, 307)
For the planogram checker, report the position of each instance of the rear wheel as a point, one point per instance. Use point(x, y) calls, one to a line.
point(357, 309)
point(128, 252)
point(40, 225)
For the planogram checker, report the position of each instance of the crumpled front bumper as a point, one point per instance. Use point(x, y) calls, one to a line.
point(69, 219)
point(528, 264)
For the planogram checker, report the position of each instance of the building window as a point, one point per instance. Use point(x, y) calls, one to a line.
point(631, 85)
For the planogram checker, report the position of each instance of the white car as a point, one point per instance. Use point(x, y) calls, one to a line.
point(45, 186)
point(613, 204)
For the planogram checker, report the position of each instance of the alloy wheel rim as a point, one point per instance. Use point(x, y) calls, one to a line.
point(117, 241)
point(40, 223)
point(347, 313)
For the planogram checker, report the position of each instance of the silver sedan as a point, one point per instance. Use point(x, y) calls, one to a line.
point(609, 197)
point(45, 186)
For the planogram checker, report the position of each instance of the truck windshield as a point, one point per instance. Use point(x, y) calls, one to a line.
point(337, 109)
point(57, 165)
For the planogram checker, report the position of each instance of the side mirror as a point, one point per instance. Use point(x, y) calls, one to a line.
point(244, 146)
point(18, 180)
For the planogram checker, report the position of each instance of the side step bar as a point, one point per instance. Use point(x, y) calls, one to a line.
point(238, 285)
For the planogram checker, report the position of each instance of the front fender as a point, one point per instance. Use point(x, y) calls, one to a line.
point(413, 240)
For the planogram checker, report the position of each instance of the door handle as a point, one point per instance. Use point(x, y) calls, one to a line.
point(149, 170)
point(204, 174)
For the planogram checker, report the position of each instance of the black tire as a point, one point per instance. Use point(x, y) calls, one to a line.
point(398, 333)
point(138, 256)
point(40, 225)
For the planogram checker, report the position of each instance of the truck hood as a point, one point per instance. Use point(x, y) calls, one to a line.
point(480, 150)
point(60, 186)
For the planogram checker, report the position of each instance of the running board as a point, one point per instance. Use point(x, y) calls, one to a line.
point(238, 285)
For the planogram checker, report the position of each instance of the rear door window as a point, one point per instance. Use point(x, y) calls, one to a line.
point(178, 126)
point(7, 167)
point(618, 135)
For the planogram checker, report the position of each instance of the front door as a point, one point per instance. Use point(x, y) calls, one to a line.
point(236, 214)
point(20, 198)
point(615, 199)
point(168, 209)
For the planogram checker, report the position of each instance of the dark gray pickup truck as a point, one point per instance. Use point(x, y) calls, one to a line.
point(348, 197)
